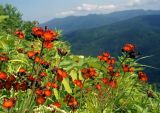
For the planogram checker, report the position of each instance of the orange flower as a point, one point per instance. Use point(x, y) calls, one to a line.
point(73, 103)
point(106, 54)
point(49, 35)
point(105, 80)
point(51, 84)
point(47, 44)
point(111, 61)
point(78, 83)
point(110, 68)
point(117, 74)
point(39, 92)
point(40, 100)
point(62, 73)
point(47, 92)
point(57, 104)
point(22, 71)
point(105, 57)
point(3, 75)
point(88, 73)
point(43, 74)
point(4, 58)
point(20, 34)
point(98, 86)
point(113, 83)
point(9, 103)
point(142, 76)
point(30, 78)
point(127, 68)
point(128, 48)
point(37, 31)
point(38, 60)
point(30, 54)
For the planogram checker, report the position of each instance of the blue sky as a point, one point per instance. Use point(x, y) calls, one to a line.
point(44, 10)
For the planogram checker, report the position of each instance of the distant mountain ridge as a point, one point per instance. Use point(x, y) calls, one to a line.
point(143, 31)
point(73, 23)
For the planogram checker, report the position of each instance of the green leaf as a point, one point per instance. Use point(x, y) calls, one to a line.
point(73, 74)
point(56, 93)
point(80, 76)
point(66, 85)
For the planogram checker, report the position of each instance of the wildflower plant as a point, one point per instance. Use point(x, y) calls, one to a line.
point(40, 74)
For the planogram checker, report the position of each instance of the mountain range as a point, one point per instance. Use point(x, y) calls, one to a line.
point(74, 23)
point(93, 34)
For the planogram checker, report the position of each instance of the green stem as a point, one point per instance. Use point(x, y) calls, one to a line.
point(145, 104)
point(119, 66)
point(132, 87)
point(38, 72)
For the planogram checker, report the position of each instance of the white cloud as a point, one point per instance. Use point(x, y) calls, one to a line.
point(66, 13)
point(86, 8)
point(94, 7)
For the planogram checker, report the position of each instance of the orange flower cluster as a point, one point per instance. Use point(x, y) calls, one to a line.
point(34, 55)
point(71, 102)
point(42, 94)
point(20, 34)
point(47, 35)
point(128, 48)
point(88, 73)
point(60, 73)
point(107, 58)
point(9, 82)
point(37, 31)
point(142, 76)
point(51, 85)
point(127, 68)
point(110, 61)
point(112, 83)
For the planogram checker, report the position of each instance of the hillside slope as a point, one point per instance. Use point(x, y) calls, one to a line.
point(144, 31)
